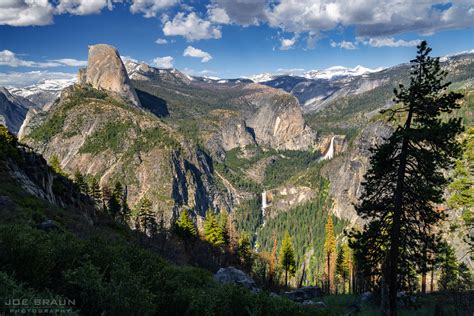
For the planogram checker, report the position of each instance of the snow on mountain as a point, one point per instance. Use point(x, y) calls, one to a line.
point(339, 72)
point(261, 77)
point(44, 91)
point(335, 72)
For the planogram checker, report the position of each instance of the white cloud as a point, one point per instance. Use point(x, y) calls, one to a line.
point(23, 79)
point(26, 12)
point(163, 62)
point(344, 45)
point(218, 15)
point(191, 27)
point(372, 18)
point(389, 42)
point(287, 43)
point(197, 53)
point(84, 7)
point(161, 41)
point(9, 58)
point(243, 12)
point(150, 8)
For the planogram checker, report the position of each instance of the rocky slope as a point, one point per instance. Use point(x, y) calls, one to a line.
point(13, 110)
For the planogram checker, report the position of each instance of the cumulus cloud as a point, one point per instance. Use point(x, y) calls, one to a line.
point(218, 15)
point(371, 18)
point(26, 12)
point(191, 27)
point(163, 62)
point(389, 42)
point(344, 45)
point(243, 12)
point(287, 43)
point(9, 58)
point(84, 7)
point(150, 8)
point(161, 41)
point(23, 79)
point(197, 53)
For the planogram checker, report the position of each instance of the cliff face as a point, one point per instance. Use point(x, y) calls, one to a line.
point(278, 122)
point(105, 70)
point(93, 133)
point(346, 171)
point(13, 110)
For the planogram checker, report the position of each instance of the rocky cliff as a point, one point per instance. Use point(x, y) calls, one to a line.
point(13, 110)
point(105, 70)
point(346, 171)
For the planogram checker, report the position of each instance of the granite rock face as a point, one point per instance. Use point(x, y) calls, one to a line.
point(106, 71)
point(13, 110)
point(346, 172)
point(278, 122)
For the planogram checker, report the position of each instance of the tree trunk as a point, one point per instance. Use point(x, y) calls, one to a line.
point(423, 283)
point(432, 280)
point(390, 271)
point(286, 277)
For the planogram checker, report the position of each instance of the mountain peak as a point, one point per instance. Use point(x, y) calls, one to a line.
point(105, 70)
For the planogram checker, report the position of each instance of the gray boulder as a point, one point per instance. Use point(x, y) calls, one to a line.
point(236, 276)
point(304, 294)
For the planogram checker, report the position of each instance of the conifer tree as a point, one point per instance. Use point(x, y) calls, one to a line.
point(343, 263)
point(80, 181)
point(406, 178)
point(330, 255)
point(273, 254)
point(94, 190)
point(212, 230)
point(287, 257)
point(244, 251)
point(185, 228)
point(146, 217)
point(462, 188)
point(56, 165)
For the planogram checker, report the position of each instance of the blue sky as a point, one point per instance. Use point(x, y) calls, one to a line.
point(226, 38)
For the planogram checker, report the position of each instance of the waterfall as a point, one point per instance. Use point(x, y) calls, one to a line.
point(330, 153)
point(264, 206)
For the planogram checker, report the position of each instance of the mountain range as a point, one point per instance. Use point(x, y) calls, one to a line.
point(201, 144)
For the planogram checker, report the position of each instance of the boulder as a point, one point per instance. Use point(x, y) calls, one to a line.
point(366, 297)
point(303, 294)
point(236, 276)
point(106, 71)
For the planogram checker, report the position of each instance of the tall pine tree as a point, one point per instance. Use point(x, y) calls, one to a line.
point(287, 257)
point(406, 178)
point(212, 230)
point(330, 255)
point(185, 228)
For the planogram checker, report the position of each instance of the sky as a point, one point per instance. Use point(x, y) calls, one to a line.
point(48, 39)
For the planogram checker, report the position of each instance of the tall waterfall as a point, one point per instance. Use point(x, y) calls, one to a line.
point(264, 205)
point(330, 153)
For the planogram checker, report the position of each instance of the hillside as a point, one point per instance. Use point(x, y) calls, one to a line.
point(222, 145)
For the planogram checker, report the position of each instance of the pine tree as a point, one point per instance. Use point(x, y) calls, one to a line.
point(56, 165)
point(406, 178)
point(271, 272)
point(146, 217)
point(343, 265)
point(185, 228)
point(330, 255)
point(212, 230)
point(224, 223)
point(244, 251)
point(80, 181)
point(94, 190)
point(287, 257)
point(462, 188)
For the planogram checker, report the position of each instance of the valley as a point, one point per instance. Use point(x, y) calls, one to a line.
point(285, 154)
